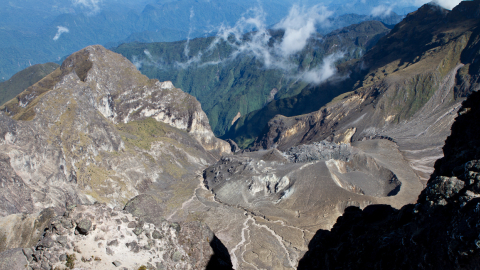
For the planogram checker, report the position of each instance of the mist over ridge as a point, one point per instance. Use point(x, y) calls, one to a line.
point(234, 73)
point(36, 32)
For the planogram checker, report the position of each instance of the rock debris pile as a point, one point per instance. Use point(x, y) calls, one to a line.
point(98, 237)
point(323, 150)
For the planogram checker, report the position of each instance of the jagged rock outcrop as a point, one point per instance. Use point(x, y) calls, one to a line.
point(440, 231)
point(121, 94)
point(97, 130)
point(414, 81)
point(23, 230)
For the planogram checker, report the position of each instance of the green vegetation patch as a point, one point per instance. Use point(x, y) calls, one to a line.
point(142, 133)
point(71, 258)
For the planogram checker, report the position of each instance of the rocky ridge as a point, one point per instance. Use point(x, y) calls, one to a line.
point(22, 80)
point(97, 130)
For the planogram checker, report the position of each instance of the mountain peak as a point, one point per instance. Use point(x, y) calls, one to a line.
point(466, 10)
point(113, 86)
point(91, 117)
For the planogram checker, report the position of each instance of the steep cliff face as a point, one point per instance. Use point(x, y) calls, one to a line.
point(97, 130)
point(440, 231)
point(417, 77)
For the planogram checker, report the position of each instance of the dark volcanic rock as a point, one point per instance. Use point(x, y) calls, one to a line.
point(441, 231)
point(233, 145)
point(457, 152)
point(84, 226)
point(319, 151)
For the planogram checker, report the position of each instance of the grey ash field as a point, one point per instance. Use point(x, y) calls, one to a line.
point(104, 168)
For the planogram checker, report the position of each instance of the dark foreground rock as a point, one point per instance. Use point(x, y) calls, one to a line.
point(145, 207)
point(441, 231)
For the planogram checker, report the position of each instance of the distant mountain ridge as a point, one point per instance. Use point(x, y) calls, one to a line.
point(108, 22)
point(28, 28)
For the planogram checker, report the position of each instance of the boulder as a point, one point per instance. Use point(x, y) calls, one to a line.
point(84, 226)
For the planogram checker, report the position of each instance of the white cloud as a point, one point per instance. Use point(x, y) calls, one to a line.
point(299, 26)
point(137, 62)
point(381, 11)
point(255, 44)
point(93, 6)
point(186, 50)
point(148, 54)
point(323, 72)
point(60, 31)
point(448, 4)
point(192, 13)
